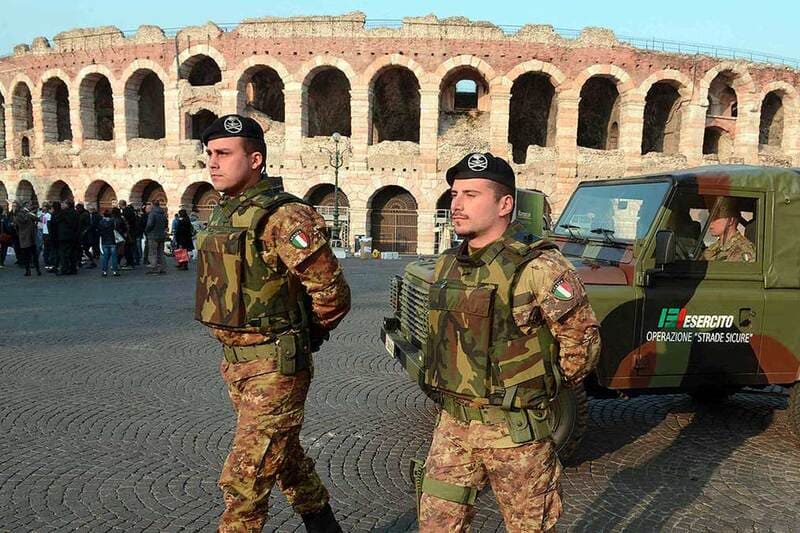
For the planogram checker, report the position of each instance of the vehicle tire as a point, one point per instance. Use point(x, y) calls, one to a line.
point(712, 394)
point(570, 415)
point(794, 409)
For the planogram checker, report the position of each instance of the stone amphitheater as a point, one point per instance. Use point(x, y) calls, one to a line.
point(99, 114)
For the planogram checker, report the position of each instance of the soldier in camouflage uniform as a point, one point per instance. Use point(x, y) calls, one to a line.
point(730, 244)
point(491, 361)
point(270, 289)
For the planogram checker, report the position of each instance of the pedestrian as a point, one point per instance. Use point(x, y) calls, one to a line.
point(53, 230)
point(156, 232)
point(6, 239)
point(12, 229)
point(494, 301)
point(270, 246)
point(44, 229)
point(120, 232)
point(68, 238)
point(94, 237)
point(184, 233)
point(141, 225)
point(129, 215)
point(85, 236)
point(26, 225)
point(109, 230)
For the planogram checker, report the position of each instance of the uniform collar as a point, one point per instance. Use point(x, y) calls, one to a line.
point(490, 251)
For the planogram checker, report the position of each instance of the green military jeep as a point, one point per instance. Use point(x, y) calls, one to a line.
point(672, 320)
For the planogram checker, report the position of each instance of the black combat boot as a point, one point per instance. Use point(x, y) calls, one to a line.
point(322, 521)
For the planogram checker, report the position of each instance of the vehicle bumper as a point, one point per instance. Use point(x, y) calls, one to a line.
point(399, 348)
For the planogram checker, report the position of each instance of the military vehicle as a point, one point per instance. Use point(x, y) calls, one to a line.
point(671, 320)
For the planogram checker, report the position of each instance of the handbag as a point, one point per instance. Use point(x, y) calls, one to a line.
point(118, 238)
point(181, 255)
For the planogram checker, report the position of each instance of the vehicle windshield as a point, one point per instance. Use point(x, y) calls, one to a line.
point(611, 213)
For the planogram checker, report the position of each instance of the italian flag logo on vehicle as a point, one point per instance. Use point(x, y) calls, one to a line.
point(562, 290)
point(299, 239)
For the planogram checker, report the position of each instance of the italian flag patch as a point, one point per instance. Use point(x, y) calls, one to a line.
point(562, 290)
point(299, 239)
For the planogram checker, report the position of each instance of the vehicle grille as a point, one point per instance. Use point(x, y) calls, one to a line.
point(412, 308)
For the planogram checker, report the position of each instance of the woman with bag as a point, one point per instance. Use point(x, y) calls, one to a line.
point(184, 232)
point(110, 237)
point(6, 238)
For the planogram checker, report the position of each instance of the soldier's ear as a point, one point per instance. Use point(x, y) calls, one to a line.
point(256, 160)
point(506, 205)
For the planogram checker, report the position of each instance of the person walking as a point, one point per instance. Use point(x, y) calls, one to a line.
point(156, 231)
point(108, 229)
point(85, 236)
point(26, 225)
point(184, 233)
point(68, 239)
point(6, 239)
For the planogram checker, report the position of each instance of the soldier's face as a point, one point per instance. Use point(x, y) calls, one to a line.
point(719, 226)
point(475, 209)
point(232, 168)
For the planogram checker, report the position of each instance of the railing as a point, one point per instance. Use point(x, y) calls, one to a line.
point(652, 44)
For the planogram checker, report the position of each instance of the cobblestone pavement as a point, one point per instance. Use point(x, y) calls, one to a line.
point(113, 417)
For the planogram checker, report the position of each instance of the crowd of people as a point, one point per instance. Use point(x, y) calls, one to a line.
point(68, 237)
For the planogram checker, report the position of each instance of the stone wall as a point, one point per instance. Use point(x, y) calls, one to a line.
point(392, 99)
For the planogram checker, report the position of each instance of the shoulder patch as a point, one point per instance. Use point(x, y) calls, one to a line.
point(299, 239)
point(562, 289)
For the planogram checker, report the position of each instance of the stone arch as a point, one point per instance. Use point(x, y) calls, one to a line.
point(662, 117)
point(718, 141)
point(557, 77)
point(473, 97)
point(100, 195)
point(620, 77)
point(25, 146)
point(532, 113)
point(261, 93)
point(26, 193)
point(393, 220)
point(322, 195)
point(179, 68)
point(201, 198)
point(200, 70)
point(464, 60)
point(197, 122)
point(444, 200)
point(771, 121)
point(144, 102)
point(599, 113)
point(789, 108)
point(394, 104)
point(326, 101)
point(96, 97)
point(21, 106)
point(740, 78)
point(55, 109)
point(146, 191)
point(59, 191)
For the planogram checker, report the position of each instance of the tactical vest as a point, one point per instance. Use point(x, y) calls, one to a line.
point(236, 289)
point(475, 348)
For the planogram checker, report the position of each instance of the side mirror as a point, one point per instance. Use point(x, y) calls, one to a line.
point(665, 247)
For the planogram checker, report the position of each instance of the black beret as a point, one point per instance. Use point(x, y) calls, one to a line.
point(480, 165)
point(233, 126)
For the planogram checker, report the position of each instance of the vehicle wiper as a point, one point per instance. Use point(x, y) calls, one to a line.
point(608, 234)
point(570, 228)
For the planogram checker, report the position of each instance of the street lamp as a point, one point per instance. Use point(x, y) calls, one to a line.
point(336, 162)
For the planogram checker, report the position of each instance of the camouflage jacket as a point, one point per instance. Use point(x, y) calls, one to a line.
point(736, 248)
point(487, 315)
point(288, 252)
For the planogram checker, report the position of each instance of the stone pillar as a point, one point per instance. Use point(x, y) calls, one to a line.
point(293, 137)
point(75, 120)
point(425, 231)
point(173, 121)
point(120, 125)
point(359, 126)
point(566, 146)
point(37, 143)
point(498, 124)
point(429, 129)
point(693, 127)
point(11, 149)
point(358, 223)
point(228, 101)
point(631, 117)
point(745, 145)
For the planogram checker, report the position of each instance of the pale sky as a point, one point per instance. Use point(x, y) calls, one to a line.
point(768, 26)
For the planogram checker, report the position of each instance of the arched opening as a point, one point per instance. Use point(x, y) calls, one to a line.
point(55, 111)
point(2, 127)
point(322, 198)
point(26, 194)
point(327, 103)
point(532, 114)
point(200, 70)
point(100, 195)
point(97, 108)
point(770, 129)
point(717, 141)
point(722, 100)
point(144, 103)
point(598, 114)
point(22, 108)
point(201, 199)
point(25, 145)
point(264, 94)
point(662, 119)
point(395, 106)
point(199, 122)
point(463, 90)
point(3, 196)
point(59, 191)
point(443, 224)
point(393, 220)
point(147, 191)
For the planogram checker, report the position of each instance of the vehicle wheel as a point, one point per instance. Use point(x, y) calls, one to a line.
point(794, 409)
point(712, 394)
point(570, 415)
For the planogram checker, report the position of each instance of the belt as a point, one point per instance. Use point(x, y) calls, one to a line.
point(243, 354)
point(488, 415)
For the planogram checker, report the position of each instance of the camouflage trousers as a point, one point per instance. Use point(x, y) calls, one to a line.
point(266, 449)
point(524, 479)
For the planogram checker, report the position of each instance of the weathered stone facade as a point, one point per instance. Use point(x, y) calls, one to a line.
point(100, 116)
